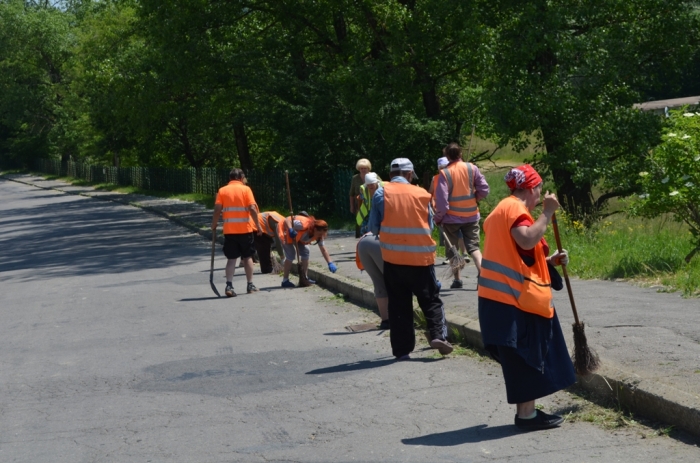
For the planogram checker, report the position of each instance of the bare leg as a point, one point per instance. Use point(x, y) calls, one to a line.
point(305, 268)
point(383, 305)
point(525, 409)
point(230, 269)
point(248, 266)
point(287, 268)
point(476, 256)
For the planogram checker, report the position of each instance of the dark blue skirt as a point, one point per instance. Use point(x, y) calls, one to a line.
point(531, 350)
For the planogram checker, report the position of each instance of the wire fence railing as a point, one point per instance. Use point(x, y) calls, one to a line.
point(269, 186)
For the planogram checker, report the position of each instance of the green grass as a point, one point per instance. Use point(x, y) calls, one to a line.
point(650, 252)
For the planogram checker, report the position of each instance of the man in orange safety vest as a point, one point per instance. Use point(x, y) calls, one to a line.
point(237, 204)
point(402, 219)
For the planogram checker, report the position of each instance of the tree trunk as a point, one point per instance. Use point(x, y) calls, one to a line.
point(431, 103)
point(242, 147)
point(187, 148)
point(575, 198)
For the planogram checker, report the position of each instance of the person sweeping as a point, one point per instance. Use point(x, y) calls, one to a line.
point(519, 325)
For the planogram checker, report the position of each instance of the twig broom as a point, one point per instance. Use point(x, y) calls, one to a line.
point(303, 280)
point(457, 261)
point(585, 360)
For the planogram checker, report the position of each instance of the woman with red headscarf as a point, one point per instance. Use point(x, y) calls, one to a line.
point(519, 325)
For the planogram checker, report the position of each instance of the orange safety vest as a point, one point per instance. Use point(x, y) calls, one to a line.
point(433, 184)
point(504, 276)
point(264, 222)
point(460, 189)
point(233, 198)
point(405, 236)
point(282, 230)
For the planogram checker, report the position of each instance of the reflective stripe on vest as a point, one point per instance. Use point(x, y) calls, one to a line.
point(236, 217)
point(365, 205)
point(504, 276)
point(405, 237)
point(460, 189)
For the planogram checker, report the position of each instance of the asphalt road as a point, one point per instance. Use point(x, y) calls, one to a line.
point(114, 349)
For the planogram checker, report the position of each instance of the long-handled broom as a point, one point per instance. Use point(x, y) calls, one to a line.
point(585, 360)
point(457, 261)
point(303, 280)
point(211, 271)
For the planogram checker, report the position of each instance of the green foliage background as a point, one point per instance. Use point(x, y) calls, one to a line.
point(313, 85)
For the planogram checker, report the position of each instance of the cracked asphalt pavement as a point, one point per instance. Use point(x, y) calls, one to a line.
point(115, 349)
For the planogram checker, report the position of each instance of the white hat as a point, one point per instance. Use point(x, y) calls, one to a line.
point(371, 178)
point(403, 165)
point(443, 162)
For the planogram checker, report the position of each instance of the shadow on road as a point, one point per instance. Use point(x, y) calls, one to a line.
point(365, 365)
point(479, 433)
point(73, 235)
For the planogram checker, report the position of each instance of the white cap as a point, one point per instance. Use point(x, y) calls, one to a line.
point(402, 164)
point(371, 178)
point(443, 162)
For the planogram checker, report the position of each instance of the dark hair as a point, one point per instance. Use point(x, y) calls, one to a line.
point(236, 174)
point(453, 151)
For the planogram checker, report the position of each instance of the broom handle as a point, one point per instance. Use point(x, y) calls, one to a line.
point(289, 198)
point(444, 235)
point(469, 149)
point(563, 267)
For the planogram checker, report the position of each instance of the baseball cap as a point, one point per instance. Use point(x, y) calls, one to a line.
point(403, 165)
point(371, 178)
point(443, 162)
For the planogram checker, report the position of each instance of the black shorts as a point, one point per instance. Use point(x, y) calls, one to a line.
point(239, 245)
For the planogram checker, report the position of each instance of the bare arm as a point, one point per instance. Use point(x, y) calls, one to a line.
point(528, 237)
point(215, 217)
point(325, 254)
point(253, 209)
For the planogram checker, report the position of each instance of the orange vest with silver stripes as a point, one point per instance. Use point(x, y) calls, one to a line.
point(283, 231)
point(460, 189)
point(264, 222)
point(504, 276)
point(235, 213)
point(404, 236)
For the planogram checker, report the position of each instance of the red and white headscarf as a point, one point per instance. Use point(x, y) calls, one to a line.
point(522, 178)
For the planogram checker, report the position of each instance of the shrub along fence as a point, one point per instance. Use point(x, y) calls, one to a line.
point(269, 187)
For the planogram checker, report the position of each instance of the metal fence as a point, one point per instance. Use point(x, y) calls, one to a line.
point(269, 186)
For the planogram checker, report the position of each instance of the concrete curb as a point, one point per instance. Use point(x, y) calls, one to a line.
point(647, 398)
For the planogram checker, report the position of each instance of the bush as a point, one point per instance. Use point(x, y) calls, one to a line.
point(672, 180)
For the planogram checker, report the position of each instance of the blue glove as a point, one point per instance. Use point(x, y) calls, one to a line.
point(332, 267)
point(293, 233)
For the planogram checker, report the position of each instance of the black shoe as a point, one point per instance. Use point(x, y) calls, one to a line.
point(384, 325)
point(229, 291)
point(456, 284)
point(541, 421)
point(251, 288)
